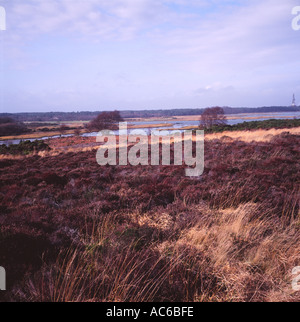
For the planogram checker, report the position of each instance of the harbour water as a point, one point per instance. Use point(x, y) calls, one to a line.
point(177, 124)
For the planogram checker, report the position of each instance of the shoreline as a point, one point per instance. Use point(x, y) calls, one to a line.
point(41, 135)
point(165, 124)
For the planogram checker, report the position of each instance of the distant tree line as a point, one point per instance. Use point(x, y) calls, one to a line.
point(9, 126)
point(88, 116)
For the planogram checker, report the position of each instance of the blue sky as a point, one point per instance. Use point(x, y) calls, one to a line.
point(75, 55)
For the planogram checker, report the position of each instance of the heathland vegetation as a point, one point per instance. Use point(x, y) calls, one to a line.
point(72, 230)
point(255, 125)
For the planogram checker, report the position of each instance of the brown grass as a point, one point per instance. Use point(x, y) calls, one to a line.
point(249, 136)
point(229, 255)
point(36, 135)
point(149, 126)
point(70, 145)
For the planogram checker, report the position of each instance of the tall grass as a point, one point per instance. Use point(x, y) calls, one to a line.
point(234, 254)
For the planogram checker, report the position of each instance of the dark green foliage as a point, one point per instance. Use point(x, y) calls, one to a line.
point(256, 125)
point(24, 148)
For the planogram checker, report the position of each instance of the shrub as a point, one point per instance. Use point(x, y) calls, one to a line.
point(10, 127)
point(105, 121)
point(24, 148)
point(256, 125)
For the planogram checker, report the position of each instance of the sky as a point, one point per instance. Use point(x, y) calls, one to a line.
point(92, 55)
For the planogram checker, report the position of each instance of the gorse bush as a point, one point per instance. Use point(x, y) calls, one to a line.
point(24, 148)
point(255, 125)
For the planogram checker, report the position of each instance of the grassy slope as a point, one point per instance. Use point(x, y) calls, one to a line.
point(149, 233)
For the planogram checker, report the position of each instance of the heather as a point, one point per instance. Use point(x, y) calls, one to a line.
point(74, 231)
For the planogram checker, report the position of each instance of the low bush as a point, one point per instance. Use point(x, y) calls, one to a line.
point(24, 148)
point(10, 127)
point(256, 125)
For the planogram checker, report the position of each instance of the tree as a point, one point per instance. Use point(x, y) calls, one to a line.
point(213, 116)
point(105, 121)
point(62, 129)
point(9, 127)
point(77, 131)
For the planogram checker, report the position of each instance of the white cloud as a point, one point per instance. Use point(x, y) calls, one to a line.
point(182, 50)
point(214, 88)
point(104, 18)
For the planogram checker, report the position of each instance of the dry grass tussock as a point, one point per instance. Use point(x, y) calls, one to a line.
point(235, 254)
point(249, 136)
point(250, 254)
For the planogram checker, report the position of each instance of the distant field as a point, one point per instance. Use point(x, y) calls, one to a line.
point(244, 116)
point(140, 114)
